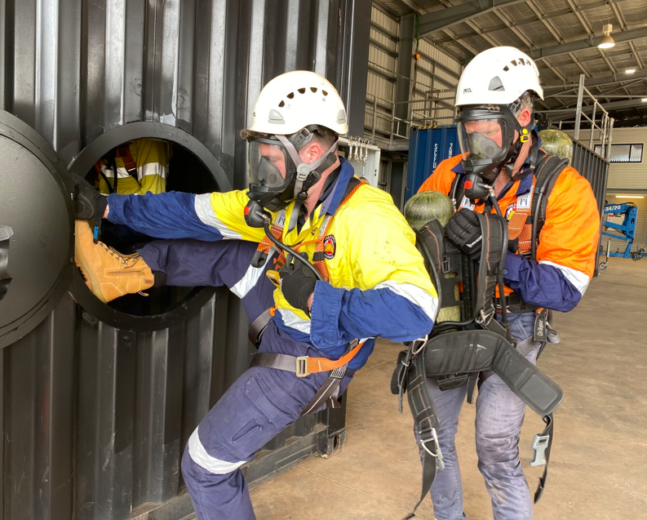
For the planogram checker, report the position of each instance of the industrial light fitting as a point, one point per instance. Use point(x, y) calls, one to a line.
point(644, 100)
point(630, 71)
point(607, 41)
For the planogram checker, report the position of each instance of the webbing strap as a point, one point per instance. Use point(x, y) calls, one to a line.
point(123, 152)
point(493, 232)
point(319, 258)
point(411, 377)
point(328, 393)
point(5, 235)
point(521, 215)
point(258, 326)
point(303, 366)
point(546, 434)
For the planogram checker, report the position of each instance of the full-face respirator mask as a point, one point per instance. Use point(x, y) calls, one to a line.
point(487, 141)
point(269, 156)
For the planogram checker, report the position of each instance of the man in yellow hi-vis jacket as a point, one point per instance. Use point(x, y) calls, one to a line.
point(364, 279)
point(141, 165)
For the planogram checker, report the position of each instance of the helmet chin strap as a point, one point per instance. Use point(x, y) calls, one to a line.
point(306, 171)
point(307, 174)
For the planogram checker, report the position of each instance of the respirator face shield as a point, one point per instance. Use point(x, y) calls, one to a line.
point(269, 184)
point(487, 140)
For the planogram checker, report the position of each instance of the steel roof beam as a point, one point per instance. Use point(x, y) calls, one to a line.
point(615, 105)
point(442, 19)
point(598, 82)
point(587, 43)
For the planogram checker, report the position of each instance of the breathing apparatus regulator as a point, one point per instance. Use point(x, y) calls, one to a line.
point(488, 96)
point(290, 112)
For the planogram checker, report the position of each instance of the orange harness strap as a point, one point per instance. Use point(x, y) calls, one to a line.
point(318, 259)
point(123, 152)
point(308, 365)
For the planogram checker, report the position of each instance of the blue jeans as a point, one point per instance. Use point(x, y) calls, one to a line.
point(499, 417)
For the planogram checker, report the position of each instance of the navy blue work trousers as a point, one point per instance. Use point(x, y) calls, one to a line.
point(259, 405)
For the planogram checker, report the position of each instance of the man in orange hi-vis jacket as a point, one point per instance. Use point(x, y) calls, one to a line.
point(500, 161)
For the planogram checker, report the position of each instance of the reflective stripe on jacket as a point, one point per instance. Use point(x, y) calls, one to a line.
point(151, 157)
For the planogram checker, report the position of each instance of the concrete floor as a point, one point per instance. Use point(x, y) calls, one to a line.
point(599, 461)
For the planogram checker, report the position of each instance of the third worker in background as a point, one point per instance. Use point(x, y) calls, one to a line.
point(141, 167)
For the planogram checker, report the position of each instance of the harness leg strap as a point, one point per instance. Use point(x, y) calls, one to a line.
point(258, 326)
point(328, 391)
point(424, 415)
point(544, 437)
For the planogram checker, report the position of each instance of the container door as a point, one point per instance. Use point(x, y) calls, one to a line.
point(36, 229)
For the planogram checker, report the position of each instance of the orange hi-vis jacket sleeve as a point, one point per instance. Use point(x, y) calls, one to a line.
point(567, 243)
point(442, 178)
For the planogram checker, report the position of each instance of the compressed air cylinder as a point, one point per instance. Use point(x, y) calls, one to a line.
point(425, 207)
point(556, 142)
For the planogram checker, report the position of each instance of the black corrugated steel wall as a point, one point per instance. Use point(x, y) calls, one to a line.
point(95, 418)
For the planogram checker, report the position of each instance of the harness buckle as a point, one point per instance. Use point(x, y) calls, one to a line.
point(438, 454)
point(539, 446)
point(302, 366)
point(484, 319)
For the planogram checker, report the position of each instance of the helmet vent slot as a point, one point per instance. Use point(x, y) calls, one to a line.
point(506, 68)
point(324, 92)
point(313, 90)
point(496, 84)
point(281, 104)
point(302, 91)
point(291, 95)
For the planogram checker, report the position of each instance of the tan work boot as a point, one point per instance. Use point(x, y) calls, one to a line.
point(108, 273)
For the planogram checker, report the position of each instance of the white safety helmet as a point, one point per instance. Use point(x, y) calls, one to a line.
point(298, 99)
point(489, 134)
point(290, 111)
point(498, 76)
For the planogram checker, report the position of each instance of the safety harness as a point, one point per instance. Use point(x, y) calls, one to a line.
point(528, 219)
point(456, 352)
point(123, 152)
point(303, 366)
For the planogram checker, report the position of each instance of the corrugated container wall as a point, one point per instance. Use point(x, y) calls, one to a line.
point(95, 417)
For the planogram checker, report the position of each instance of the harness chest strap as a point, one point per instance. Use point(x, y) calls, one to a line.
point(520, 225)
point(303, 366)
point(318, 259)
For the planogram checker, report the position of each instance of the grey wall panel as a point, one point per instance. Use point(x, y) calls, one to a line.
point(94, 419)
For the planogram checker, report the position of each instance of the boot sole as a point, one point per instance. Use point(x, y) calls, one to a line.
point(89, 275)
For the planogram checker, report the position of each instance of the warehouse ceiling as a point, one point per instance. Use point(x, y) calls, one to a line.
point(562, 36)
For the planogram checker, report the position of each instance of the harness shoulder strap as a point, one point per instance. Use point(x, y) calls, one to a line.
point(457, 190)
point(494, 233)
point(123, 152)
point(546, 175)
